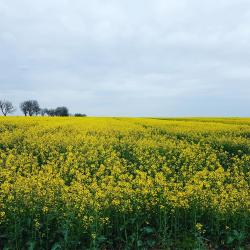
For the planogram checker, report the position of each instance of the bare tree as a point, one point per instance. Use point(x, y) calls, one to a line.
point(25, 106)
point(51, 112)
point(30, 107)
point(80, 115)
point(36, 107)
point(6, 107)
point(62, 111)
point(59, 111)
point(44, 112)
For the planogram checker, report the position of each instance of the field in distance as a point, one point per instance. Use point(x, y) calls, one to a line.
point(124, 183)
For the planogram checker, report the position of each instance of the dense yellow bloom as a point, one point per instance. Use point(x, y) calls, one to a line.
point(90, 171)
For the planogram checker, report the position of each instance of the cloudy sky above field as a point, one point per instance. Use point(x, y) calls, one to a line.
point(126, 57)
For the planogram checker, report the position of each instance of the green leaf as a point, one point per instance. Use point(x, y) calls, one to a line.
point(139, 243)
point(151, 243)
point(230, 240)
point(56, 246)
point(148, 230)
point(101, 238)
point(31, 245)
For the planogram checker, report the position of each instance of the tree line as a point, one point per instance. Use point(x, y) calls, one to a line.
point(32, 108)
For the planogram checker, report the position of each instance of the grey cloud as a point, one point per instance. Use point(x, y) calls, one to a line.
point(132, 58)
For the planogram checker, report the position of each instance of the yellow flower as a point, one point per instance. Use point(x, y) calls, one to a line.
point(199, 227)
point(45, 209)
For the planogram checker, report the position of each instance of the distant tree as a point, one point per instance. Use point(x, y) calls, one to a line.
point(50, 112)
point(44, 112)
point(36, 107)
point(61, 111)
point(24, 106)
point(6, 107)
point(30, 107)
point(80, 115)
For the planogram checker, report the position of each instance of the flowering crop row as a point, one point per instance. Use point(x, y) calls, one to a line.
point(124, 183)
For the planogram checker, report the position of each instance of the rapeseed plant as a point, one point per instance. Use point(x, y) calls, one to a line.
point(108, 183)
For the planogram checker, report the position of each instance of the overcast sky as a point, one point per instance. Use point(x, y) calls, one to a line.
point(128, 57)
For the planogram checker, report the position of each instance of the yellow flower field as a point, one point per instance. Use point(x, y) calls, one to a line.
point(124, 183)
